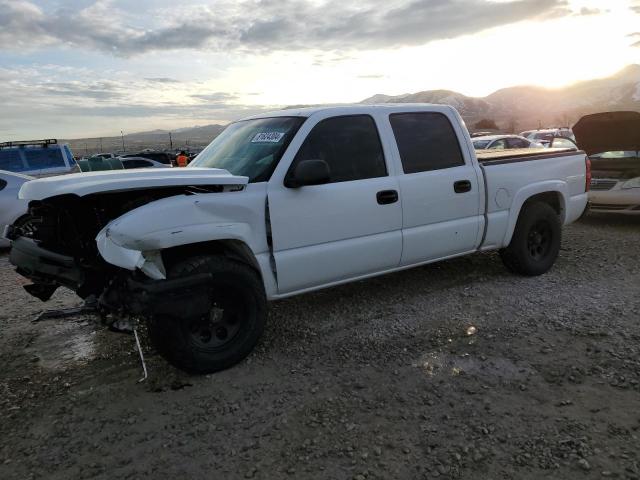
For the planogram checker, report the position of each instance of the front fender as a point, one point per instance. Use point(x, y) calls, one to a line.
point(525, 193)
point(130, 240)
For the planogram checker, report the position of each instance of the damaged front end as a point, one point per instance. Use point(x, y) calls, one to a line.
point(68, 244)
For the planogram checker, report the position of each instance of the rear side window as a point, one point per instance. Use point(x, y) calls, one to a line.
point(426, 141)
point(3, 183)
point(41, 158)
point(350, 145)
point(11, 161)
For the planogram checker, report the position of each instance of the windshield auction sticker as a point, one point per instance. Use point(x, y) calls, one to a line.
point(267, 137)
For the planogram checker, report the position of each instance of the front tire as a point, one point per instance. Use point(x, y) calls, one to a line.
point(535, 244)
point(230, 330)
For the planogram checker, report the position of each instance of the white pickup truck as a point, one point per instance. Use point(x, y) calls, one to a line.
point(286, 203)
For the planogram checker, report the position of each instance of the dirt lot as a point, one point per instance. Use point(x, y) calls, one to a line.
point(375, 380)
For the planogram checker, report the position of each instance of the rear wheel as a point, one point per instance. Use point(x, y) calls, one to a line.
point(535, 244)
point(231, 328)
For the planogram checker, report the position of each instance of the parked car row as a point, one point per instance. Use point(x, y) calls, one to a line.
point(505, 142)
point(545, 135)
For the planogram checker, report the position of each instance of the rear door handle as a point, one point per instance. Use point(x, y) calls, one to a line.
point(462, 186)
point(385, 197)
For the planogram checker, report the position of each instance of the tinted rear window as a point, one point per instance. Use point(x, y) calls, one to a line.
point(426, 141)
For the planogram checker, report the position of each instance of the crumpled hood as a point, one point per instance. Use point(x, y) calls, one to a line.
point(608, 132)
point(82, 184)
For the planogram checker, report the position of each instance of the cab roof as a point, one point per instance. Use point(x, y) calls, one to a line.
point(353, 109)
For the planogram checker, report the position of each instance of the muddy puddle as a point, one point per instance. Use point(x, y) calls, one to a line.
point(62, 344)
point(445, 364)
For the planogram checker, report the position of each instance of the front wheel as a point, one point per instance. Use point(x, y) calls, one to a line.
point(231, 328)
point(535, 244)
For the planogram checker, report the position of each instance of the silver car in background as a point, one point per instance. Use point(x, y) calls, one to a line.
point(503, 142)
point(12, 209)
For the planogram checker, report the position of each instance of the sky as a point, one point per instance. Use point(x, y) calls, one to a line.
point(84, 68)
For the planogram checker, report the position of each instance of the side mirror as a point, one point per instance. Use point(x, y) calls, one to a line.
point(308, 172)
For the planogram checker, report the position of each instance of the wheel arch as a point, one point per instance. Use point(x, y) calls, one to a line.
point(552, 193)
point(229, 247)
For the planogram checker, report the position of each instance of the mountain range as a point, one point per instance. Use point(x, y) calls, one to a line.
point(526, 107)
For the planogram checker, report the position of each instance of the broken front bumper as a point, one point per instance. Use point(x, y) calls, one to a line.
point(39, 264)
point(47, 270)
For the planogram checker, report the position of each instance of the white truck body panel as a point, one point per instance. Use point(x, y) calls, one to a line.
point(508, 189)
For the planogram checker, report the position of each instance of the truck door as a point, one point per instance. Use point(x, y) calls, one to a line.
point(343, 229)
point(440, 191)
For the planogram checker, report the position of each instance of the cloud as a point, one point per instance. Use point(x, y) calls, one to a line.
point(590, 11)
point(161, 80)
point(635, 35)
point(370, 77)
point(215, 97)
point(48, 100)
point(261, 25)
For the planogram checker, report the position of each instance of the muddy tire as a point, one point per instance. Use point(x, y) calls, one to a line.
point(536, 240)
point(231, 329)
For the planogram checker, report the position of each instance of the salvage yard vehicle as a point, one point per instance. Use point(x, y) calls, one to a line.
point(12, 209)
point(503, 142)
point(39, 158)
point(612, 140)
point(285, 203)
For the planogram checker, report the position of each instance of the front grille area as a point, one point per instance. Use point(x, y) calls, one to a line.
point(609, 206)
point(601, 184)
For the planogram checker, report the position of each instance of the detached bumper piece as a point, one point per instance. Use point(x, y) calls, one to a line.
point(186, 297)
point(47, 269)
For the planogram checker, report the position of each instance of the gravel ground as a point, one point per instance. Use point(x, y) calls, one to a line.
point(453, 370)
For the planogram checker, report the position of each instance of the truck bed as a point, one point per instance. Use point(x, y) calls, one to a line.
point(497, 157)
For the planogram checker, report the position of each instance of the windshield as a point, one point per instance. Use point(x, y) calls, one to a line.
point(480, 144)
point(250, 148)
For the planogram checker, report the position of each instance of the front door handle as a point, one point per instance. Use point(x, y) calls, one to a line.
point(385, 197)
point(462, 186)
